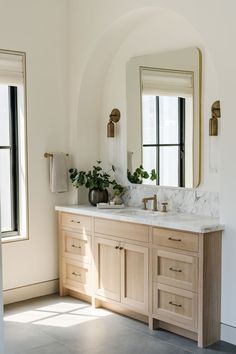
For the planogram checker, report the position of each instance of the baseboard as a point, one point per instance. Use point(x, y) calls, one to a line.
point(30, 291)
point(228, 333)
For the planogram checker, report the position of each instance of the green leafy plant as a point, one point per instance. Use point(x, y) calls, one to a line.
point(139, 174)
point(95, 179)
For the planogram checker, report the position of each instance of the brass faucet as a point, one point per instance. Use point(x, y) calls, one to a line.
point(145, 200)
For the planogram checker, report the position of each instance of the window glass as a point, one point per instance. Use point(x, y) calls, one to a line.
point(149, 161)
point(149, 119)
point(5, 190)
point(4, 116)
point(169, 120)
point(169, 171)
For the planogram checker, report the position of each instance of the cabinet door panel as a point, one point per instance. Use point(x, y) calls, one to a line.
point(131, 231)
point(76, 246)
point(175, 269)
point(134, 276)
point(80, 223)
point(107, 263)
point(175, 239)
point(175, 306)
point(76, 276)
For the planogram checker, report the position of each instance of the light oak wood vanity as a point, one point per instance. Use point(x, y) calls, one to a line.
point(166, 276)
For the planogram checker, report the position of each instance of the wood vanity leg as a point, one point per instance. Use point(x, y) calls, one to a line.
point(63, 291)
point(95, 303)
point(153, 323)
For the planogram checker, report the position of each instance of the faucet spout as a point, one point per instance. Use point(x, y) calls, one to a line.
point(145, 200)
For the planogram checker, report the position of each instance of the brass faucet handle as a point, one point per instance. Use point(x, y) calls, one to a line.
point(164, 207)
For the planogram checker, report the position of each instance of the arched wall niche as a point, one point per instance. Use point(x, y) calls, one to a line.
point(102, 86)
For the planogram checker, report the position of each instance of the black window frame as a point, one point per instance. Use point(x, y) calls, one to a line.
point(14, 161)
point(180, 144)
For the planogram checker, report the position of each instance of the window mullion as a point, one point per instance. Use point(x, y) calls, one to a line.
point(157, 141)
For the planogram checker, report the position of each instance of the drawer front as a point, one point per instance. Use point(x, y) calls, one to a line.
point(175, 239)
point(175, 306)
point(76, 276)
point(174, 269)
point(121, 229)
point(76, 246)
point(76, 222)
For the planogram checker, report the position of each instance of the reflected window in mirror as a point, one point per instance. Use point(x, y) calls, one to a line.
point(164, 116)
point(167, 121)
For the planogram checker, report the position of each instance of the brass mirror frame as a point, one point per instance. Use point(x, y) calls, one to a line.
point(138, 66)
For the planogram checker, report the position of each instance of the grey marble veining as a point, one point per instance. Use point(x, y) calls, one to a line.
point(191, 201)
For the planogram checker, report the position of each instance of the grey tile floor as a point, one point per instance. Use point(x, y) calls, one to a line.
point(54, 325)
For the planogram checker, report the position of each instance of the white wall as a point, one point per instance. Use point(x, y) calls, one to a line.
point(105, 34)
point(40, 29)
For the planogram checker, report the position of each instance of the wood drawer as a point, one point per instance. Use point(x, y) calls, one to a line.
point(175, 306)
point(76, 276)
point(175, 239)
point(77, 222)
point(121, 229)
point(175, 269)
point(76, 246)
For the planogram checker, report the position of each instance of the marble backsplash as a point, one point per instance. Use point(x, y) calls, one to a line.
point(192, 201)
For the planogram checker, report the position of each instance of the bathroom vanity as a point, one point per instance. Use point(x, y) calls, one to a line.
point(164, 269)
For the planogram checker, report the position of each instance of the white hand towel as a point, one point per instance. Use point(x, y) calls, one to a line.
point(58, 173)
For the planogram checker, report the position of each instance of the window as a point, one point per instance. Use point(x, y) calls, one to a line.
point(9, 181)
point(13, 195)
point(163, 139)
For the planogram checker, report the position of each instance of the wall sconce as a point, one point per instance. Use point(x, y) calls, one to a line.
point(215, 114)
point(114, 118)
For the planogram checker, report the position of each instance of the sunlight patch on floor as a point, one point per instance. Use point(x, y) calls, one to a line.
point(26, 316)
point(90, 311)
point(63, 314)
point(62, 307)
point(65, 320)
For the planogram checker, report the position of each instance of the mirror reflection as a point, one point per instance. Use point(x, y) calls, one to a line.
point(164, 118)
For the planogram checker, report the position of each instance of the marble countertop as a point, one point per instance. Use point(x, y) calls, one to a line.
point(178, 221)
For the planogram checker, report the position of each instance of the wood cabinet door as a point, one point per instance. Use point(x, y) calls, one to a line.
point(107, 268)
point(134, 276)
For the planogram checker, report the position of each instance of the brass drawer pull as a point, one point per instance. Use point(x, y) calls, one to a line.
point(121, 248)
point(174, 239)
point(75, 221)
point(173, 304)
point(175, 270)
point(76, 274)
point(75, 246)
point(116, 247)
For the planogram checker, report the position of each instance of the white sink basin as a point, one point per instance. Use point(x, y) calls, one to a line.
point(141, 212)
